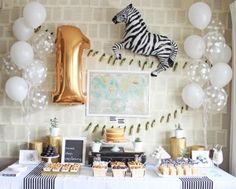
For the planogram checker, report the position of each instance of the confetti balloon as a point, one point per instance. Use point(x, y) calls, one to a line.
point(43, 43)
point(215, 26)
point(198, 72)
point(35, 73)
point(9, 67)
point(212, 38)
point(215, 99)
point(39, 100)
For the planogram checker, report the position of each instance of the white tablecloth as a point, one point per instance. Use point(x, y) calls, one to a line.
point(85, 180)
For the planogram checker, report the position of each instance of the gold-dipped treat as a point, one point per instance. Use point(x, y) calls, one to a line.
point(177, 146)
point(180, 170)
point(187, 170)
point(172, 171)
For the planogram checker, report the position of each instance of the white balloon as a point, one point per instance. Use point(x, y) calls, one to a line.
point(220, 75)
point(194, 46)
point(21, 54)
point(34, 14)
point(16, 89)
point(226, 54)
point(35, 73)
point(219, 52)
point(21, 31)
point(193, 95)
point(199, 15)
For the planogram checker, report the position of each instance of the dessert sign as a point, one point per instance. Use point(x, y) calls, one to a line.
point(73, 150)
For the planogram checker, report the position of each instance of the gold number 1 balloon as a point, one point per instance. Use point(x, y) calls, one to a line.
point(70, 44)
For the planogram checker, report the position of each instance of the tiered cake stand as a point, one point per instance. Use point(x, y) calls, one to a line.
point(49, 159)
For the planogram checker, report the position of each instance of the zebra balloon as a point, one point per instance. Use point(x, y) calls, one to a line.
point(139, 40)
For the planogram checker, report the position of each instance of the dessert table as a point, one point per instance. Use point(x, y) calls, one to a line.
point(86, 180)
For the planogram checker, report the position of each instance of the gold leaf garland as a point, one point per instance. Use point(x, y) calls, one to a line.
point(141, 65)
point(139, 126)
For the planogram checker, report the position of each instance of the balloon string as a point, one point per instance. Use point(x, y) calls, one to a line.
point(205, 125)
point(27, 115)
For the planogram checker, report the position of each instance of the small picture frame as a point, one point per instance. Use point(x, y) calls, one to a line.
point(201, 158)
point(73, 150)
point(28, 157)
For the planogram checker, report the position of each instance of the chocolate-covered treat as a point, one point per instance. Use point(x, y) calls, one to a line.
point(49, 151)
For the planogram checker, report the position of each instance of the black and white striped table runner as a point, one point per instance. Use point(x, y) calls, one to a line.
point(196, 183)
point(34, 180)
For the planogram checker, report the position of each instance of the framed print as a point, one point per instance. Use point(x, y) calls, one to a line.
point(73, 150)
point(28, 157)
point(201, 158)
point(118, 93)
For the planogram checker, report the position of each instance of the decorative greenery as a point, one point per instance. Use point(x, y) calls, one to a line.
point(103, 130)
point(103, 55)
point(95, 128)
point(131, 129)
point(97, 141)
point(88, 127)
point(153, 122)
point(185, 64)
point(147, 125)
point(162, 118)
point(138, 128)
point(137, 139)
point(168, 117)
point(175, 66)
point(124, 129)
point(184, 153)
point(175, 114)
point(54, 122)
